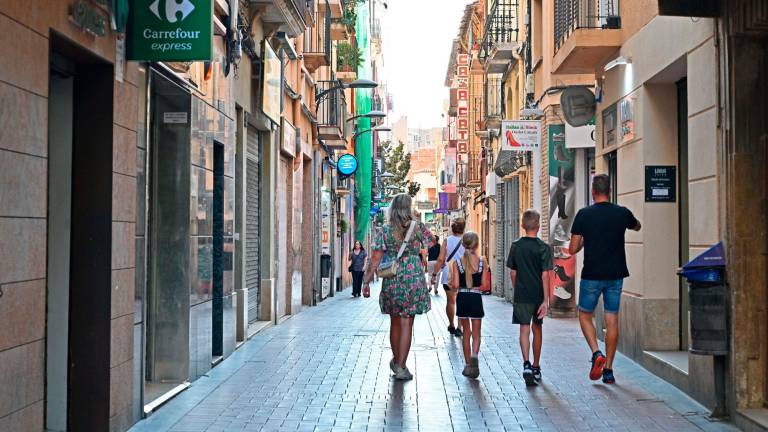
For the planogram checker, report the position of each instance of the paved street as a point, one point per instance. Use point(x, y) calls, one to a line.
point(327, 369)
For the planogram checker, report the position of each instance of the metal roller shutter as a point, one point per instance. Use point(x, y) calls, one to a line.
point(253, 224)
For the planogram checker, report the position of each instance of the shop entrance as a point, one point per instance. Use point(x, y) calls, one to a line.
point(79, 237)
point(168, 266)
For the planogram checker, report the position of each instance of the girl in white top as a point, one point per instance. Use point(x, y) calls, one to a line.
point(450, 251)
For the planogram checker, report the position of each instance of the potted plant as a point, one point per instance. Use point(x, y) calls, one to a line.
point(348, 57)
point(343, 226)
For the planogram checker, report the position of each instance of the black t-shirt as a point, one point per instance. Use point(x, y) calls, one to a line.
point(530, 257)
point(434, 252)
point(602, 226)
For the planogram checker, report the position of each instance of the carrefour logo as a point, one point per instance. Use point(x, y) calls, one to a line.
point(174, 10)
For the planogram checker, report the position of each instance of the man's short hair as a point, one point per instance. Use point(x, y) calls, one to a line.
point(531, 219)
point(458, 225)
point(601, 184)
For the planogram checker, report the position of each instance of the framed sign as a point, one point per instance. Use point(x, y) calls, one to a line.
point(660, 183)
point(178, 30)
point(288, 143)
point(272, 89)
point(521, 135)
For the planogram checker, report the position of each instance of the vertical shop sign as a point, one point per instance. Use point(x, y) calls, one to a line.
point(170, 30)
point(562, 203)
point(325, 215)
point(462, 94)
point(272, 89)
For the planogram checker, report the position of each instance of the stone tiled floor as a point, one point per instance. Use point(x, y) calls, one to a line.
point(327, 370)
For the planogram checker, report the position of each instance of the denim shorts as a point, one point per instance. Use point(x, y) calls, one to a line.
point(590, 290)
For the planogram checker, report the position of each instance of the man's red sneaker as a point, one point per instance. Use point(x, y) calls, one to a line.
point(598, 363)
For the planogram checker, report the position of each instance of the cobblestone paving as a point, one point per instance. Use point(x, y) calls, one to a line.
point(327, 370)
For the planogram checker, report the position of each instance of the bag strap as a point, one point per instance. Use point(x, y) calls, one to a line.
point(406, 239)
point(458, 245)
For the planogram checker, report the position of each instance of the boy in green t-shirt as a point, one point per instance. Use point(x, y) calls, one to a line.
point(530, 260)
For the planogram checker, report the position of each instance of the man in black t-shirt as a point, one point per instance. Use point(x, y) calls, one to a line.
point(530, 260)
point(599, 229)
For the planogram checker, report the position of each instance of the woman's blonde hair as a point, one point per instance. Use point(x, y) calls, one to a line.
point(470, 241)
point(400, 215)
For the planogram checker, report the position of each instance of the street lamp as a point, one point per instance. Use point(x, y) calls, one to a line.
point(370, 114)
point(356, 84)
point(381, 128)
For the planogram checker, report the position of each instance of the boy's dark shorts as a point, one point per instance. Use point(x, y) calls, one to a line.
point(525, 313)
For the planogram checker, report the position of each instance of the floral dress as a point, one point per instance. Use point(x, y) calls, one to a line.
point(407, 293)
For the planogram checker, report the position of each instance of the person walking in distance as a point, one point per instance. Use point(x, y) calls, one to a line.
point(404, 292)
point(530, 261)
point(600, 229)
point(433, 253)
point(357, 267)
point(467, 278)
point(450, 250)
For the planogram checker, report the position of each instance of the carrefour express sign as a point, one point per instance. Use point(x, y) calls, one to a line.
point(170, 30)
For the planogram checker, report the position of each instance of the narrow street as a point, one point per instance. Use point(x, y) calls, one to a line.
point(326, 369)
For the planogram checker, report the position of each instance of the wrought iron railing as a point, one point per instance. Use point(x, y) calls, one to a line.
point(571, 15)
point(332, 108)
point(317, 39)
point(501, 26)
point(494, 107)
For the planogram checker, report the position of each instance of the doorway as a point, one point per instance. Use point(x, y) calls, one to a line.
point(168, 265)
point(218, 252)
point(282, 296)
point(682, 206)
point(80, 123)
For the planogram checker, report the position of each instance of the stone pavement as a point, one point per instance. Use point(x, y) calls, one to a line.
point(326, 369)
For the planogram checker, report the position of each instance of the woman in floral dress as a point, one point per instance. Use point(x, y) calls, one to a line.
point(406, 294)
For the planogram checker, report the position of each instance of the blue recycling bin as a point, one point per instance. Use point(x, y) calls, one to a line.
point(708, 300)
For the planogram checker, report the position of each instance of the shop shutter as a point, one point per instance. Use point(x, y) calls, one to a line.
point(501, 254)
point(253, 223)
point(512, 222)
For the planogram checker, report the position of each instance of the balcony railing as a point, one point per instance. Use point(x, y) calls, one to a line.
point(331, 112)
point(501, 25)
point(571, 15)
point(494, 108)
point(317, 40)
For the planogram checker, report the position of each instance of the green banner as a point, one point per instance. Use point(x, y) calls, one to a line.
point(170, 30)
point(363, 150)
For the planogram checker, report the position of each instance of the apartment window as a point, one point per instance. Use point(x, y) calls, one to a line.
point(612, 162)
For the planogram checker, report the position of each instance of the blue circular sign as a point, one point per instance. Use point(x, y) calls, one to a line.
point(347, 164)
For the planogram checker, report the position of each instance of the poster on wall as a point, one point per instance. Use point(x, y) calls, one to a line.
point(450, 166)
point(521, 135)
point(562, 209)
point(325, 216)
point(288, 141)
point(626, 119)
point(272, 91)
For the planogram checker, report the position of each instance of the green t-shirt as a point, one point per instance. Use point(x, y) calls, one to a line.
point(530, 257)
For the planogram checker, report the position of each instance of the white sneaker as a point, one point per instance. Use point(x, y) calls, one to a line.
point(560, 292)
point(403, 374)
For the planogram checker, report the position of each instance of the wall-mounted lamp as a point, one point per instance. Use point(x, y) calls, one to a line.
point(620, 60)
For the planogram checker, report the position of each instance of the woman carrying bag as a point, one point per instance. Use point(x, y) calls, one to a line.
point(357, 267)
point(404, 294)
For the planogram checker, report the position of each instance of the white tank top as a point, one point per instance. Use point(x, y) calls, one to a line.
point(451, 241)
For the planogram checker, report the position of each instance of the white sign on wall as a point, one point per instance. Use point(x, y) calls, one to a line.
point(521, 135)
point(579, 137)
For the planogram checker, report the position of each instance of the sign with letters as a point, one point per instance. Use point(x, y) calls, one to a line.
point(660, 183)
point(171, 30)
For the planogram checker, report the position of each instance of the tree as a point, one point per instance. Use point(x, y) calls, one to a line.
point(397, 162)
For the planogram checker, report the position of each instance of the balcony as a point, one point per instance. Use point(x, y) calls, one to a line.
point(331, 115)
point(587, 34)
point(317, 41)
point(335, 6)
point(500, 38)
point(289, 16)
